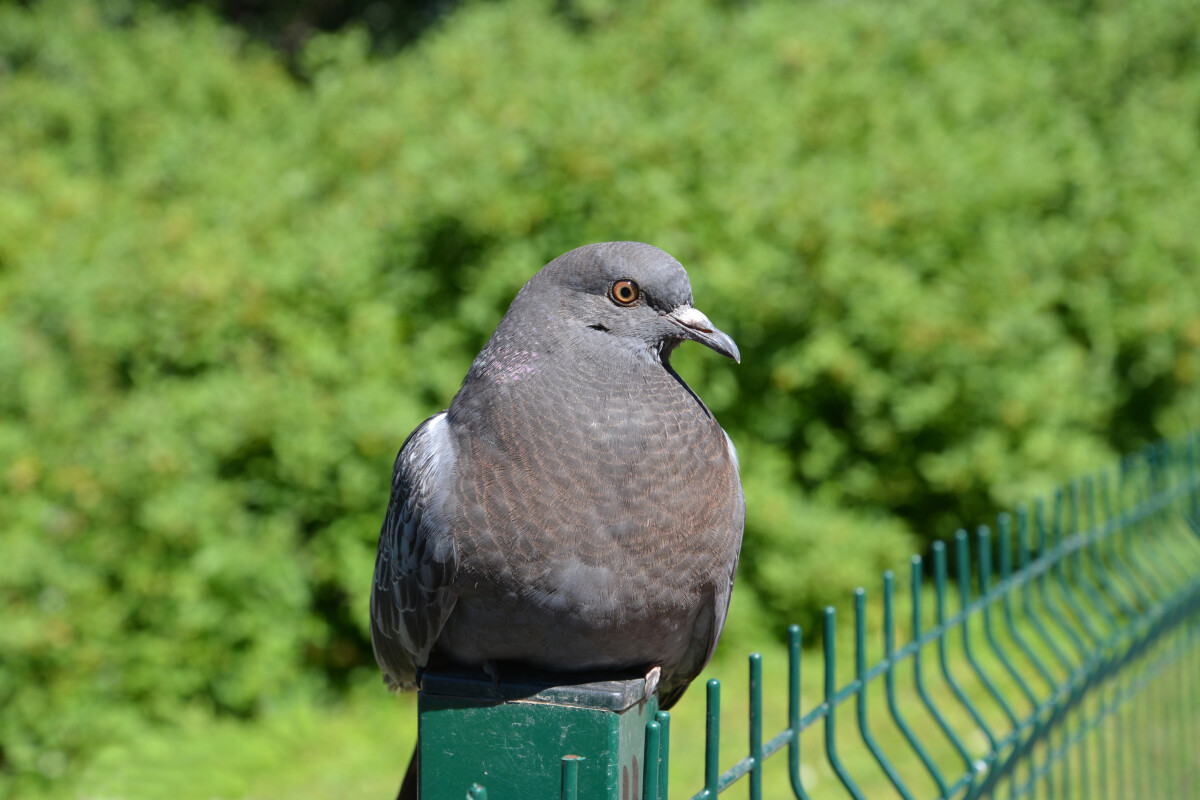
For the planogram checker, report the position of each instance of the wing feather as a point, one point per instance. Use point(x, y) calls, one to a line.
point(415, 566)
point(710, 622)
point(724, 593)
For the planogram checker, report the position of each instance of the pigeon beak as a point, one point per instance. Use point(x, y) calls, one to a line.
point(697, 327)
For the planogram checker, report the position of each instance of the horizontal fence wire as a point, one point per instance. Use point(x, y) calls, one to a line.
point(1073, 673)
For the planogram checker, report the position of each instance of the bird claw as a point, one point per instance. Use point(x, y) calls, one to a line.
point(652, 678)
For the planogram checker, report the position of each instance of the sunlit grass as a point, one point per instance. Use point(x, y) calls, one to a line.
point(356, 748)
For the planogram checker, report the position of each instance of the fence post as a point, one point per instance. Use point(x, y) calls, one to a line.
point(510, 737)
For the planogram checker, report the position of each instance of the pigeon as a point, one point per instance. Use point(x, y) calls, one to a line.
point(577, 508)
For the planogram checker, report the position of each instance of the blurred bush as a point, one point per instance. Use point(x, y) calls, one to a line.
point(288, 24)
point(954, 242)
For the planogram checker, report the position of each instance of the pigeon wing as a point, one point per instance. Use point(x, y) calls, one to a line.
point(721, 605)
point(415, 566)
point(711, 619)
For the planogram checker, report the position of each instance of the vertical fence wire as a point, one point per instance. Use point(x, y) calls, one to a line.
point(862, 678)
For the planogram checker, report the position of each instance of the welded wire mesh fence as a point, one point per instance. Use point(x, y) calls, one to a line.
point(1073, 673)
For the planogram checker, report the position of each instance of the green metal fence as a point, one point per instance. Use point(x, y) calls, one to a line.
point(1060, 660)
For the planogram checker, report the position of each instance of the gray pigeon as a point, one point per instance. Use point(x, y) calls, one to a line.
point(577, 508)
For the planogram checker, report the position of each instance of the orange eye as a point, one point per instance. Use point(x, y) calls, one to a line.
point(625, 293)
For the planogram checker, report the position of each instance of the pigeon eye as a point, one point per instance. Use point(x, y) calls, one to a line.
point(625, 293)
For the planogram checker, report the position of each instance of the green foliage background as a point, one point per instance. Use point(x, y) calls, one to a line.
point(955, 243)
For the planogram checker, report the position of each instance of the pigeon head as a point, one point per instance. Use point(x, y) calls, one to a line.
point(626, 295)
